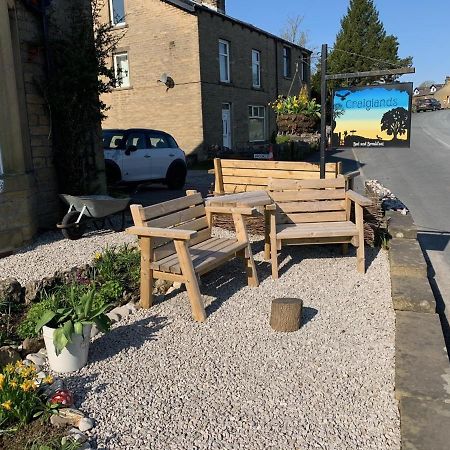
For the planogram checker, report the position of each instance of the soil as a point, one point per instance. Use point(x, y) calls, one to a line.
point(39, 431)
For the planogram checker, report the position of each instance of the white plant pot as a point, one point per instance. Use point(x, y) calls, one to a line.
point(74, 356)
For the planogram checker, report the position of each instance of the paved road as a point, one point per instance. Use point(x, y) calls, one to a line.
point(420, 177)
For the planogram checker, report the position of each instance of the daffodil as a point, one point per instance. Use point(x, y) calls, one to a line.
point(7, 405)
point(28, 385)
point(9, 368)
point(13, 384)
point(98, 256)
point(48, 379)
point(2, 380)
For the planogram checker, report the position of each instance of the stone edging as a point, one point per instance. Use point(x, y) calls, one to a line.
point(422, 369)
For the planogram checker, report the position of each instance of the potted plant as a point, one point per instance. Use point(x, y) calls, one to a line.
point(67, 330)
point(297, 114)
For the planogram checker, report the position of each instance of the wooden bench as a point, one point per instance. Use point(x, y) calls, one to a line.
point(176, 245)
point(315, 212)
point(232, 176)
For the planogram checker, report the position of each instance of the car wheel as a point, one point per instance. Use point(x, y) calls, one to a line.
point(176, 176)
point(73, 230)
point(113, 175)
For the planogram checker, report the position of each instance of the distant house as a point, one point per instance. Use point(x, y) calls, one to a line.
point(225, 72)
point(440, 92)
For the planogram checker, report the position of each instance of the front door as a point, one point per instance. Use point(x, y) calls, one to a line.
point(226, 125)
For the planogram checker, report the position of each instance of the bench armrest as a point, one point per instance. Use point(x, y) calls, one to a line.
point(271, 207)
point(211, 171)
point(230, 210)
point(351, 175)
point(178, 233)
point(358, 198)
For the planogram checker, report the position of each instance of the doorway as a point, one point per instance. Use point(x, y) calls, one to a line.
point(226, 125)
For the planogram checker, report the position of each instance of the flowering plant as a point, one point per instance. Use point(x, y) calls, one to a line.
point(293, 104)
point(20, 400)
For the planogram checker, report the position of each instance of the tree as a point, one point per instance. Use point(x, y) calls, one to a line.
point(395, 122)
point(292, 31)
point(362, 44)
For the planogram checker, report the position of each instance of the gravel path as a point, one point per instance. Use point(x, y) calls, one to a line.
point(50, 252)
point(159, 380)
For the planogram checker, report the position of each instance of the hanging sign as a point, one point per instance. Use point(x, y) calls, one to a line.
point(372, 116)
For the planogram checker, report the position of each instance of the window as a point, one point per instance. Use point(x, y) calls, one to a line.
point(121, 69)
point(117, 12)
point(256, 68)
point(161, 140)
point(138, 139)
point(257, 123)
point(224, 60)
point(112, 139)
point(286, 62)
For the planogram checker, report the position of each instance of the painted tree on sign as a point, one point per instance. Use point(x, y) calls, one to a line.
point(395, 122)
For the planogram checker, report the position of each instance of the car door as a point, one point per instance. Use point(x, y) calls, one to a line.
point(162, 154)
point(136, 158)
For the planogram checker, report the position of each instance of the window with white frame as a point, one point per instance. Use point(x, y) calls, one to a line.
point(122, 69)
point(117, 12)
point(257, 123)
point(287, 62)
point(224, 61)
point(256, 68)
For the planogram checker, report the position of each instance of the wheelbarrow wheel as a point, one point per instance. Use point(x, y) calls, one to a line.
point(70, 229)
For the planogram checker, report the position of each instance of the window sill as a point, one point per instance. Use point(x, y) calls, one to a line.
point(123, 88)
point(257, 88)
point(225, 83)
point(287, 78)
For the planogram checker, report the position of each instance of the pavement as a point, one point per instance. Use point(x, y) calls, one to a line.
point(420, 177)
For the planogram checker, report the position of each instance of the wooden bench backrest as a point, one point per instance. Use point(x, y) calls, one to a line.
point(234, 176)
point(187, 213)
point(309, 200)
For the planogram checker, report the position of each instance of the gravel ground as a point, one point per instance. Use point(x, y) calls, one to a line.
point(50, 252)
point(159, 380)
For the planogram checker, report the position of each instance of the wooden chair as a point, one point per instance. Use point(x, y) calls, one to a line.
point(176, 245)
point(315, 212)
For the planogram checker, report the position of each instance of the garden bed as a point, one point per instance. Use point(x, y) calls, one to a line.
point(234, 383)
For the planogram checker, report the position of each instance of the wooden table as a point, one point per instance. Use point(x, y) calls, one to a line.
point(255, 199)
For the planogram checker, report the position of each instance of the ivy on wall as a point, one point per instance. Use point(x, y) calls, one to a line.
point(80, 70)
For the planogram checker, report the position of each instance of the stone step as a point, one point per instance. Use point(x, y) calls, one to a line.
point(425, 424)
point(422, 368)
point(406, 258)
point(401, 226)
point(412, 293)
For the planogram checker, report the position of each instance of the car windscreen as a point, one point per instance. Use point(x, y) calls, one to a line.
point(112, 139)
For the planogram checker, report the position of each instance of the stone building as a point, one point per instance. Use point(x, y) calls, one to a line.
point(224, 72)
point(28, 183)
point(440, 92)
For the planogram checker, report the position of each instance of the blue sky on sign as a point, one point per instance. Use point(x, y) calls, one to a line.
point(422, 27)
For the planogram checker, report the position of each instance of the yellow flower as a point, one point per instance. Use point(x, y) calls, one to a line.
point(98, 256)
point(48, 379)
point(19, 364)
point(2, 380)
point(28, 385)
point(13, 384)
point(7, 405)
point(9, 368)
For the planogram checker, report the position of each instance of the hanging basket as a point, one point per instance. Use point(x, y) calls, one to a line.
point(297, 124)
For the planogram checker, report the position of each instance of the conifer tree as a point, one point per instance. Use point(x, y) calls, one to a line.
point(362, 43)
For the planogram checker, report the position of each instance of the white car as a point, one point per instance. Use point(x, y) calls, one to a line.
point(138, 155)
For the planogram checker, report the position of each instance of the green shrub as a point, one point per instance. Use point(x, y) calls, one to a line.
point(283, 139)
point(26, 328)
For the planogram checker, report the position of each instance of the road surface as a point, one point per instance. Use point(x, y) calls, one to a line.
point(420, 177)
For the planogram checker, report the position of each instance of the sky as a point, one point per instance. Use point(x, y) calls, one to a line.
point(422, 27)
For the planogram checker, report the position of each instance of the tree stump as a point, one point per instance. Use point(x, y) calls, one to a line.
point(286, 314)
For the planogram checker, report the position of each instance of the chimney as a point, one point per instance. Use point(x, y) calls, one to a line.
point(216, 5)
point(447, 79)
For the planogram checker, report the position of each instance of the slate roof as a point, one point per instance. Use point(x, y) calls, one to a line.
point(192, 6)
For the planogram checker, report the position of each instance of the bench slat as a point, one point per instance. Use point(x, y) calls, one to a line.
point(315, 230)
point(333, 216)
point(324, 205)
point(171, 206)
point(294, 185)
point(285, 165)
point(313, 194)
point(178, 217)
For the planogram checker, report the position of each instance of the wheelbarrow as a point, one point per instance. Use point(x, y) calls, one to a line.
point(96, 209)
